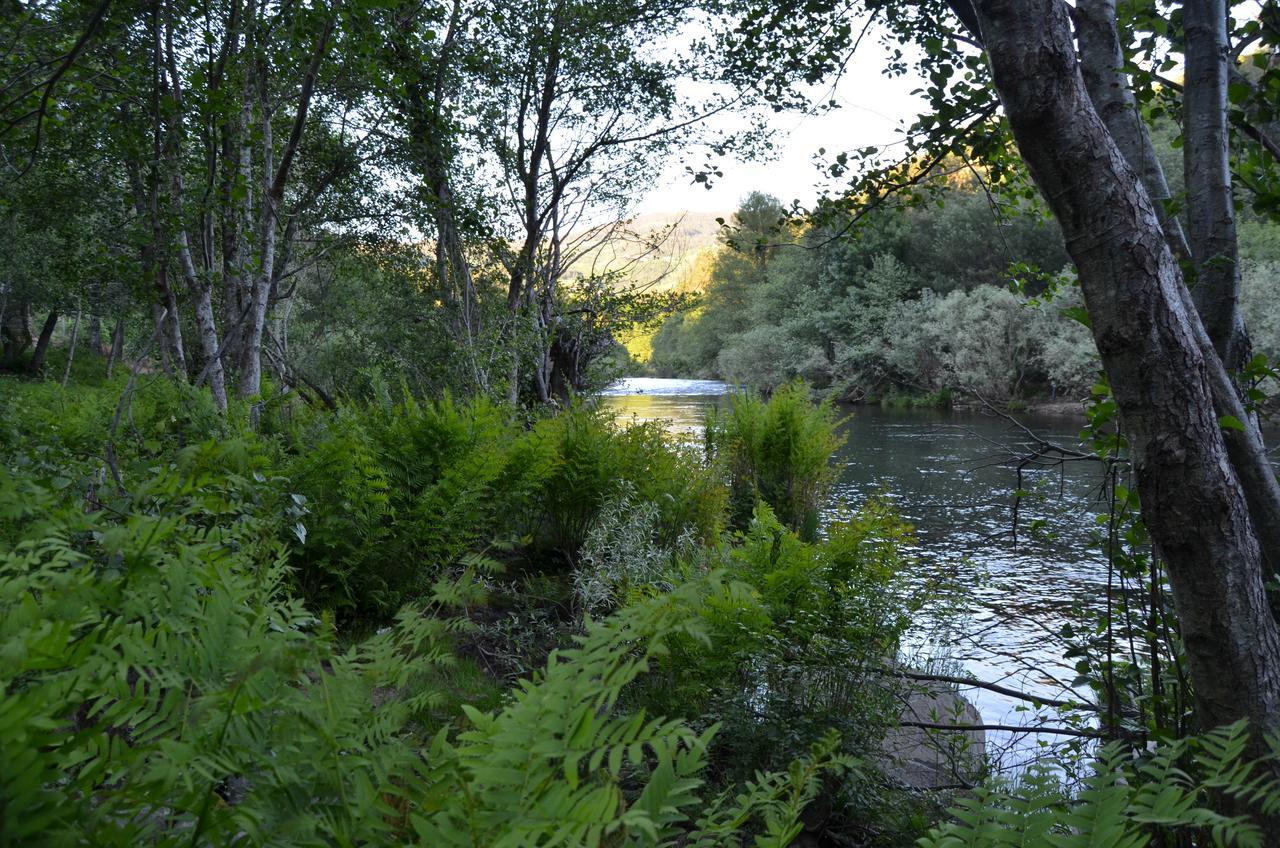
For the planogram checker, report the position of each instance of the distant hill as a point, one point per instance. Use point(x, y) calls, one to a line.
point(655, 249)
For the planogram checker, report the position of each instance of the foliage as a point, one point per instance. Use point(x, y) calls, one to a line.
point(397, 495)
point(799, 654)
point(161, 687)
point(980, 341)
point(776, 451)
point(591, 458)
point(380, 499)
point(1129, 800)
point(556, 762)
point(620, 554)
point(907, 300)
point(402, 491)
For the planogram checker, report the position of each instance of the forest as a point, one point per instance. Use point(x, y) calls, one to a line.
point(317, 528)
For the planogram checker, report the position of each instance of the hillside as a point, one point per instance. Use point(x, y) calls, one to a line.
point(655, 250)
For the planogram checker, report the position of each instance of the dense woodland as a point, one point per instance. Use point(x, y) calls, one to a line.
point(310, 531)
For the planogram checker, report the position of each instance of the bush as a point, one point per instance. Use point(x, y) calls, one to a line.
point(980, 340)
point(161, 688)
point(777, 451)
point(1172, 794)
point(793, 651)
point(621, 554)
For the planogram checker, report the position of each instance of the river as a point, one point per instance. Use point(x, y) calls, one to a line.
point(999, 601)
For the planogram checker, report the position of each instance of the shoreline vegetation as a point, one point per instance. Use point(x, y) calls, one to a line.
point(312, 536)
point(425, 569)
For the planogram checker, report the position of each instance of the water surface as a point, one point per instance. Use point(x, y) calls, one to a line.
point(1005, 595)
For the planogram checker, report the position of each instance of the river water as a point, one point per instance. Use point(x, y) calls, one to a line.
point(999, 600)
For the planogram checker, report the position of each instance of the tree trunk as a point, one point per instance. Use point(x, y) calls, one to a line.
point(1147, 336)
point(16, 332)
point(205, 322)
point(239, 286)
point(71, 349)
point(1211, 220)
point(117, 346)
point(174, 354)
point(1101, 64)
point(95, 336)
point(42, 343)
point(251, 362)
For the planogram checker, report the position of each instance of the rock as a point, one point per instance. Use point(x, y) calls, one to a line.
point(924, 758)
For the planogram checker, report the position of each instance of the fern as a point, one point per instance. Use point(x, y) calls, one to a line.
point(1124, 803)
point(559, 766)
point(161, 687)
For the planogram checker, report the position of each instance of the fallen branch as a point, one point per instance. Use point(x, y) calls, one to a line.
point(1012, 728)
point(995, 687)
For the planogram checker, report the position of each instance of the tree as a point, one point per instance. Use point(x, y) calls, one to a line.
point(584, 102)
point(1174, 355)
point(1195, 449)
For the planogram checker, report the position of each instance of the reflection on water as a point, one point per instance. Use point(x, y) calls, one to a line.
point(942, 471)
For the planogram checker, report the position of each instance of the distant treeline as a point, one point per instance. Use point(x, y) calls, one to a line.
point(966, 293)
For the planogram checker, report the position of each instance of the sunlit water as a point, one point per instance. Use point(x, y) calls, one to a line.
point(947, 473)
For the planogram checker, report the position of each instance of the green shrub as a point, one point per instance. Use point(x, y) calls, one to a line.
point(160, 687)
point(399, 494)
point(777, 451)
point(895, 399)
point(794, 650)
point(560, 763)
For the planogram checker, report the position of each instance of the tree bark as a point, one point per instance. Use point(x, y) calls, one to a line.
point(95, 335)
point(165, 312)
point(1210, 208)
point(117, 346)
point(275, 179)
point(42, 343)
point(205, 322)
point(198, 285)
point(1162, 379)
point(16, 332)
point(1101, 65)
point(251, 360)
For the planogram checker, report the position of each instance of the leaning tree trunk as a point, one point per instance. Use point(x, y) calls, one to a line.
point(205, 322)
point(116, 351)
point(1102, 63)
point(42, 343)
point(1148, 338)
point(1211, 217)
point(71, 349)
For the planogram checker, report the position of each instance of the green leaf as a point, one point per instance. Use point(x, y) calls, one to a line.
point(1230, 422)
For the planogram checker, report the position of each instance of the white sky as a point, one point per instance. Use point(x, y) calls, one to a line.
point(873, 108)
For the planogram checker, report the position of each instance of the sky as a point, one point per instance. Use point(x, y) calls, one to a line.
point(872, 110)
